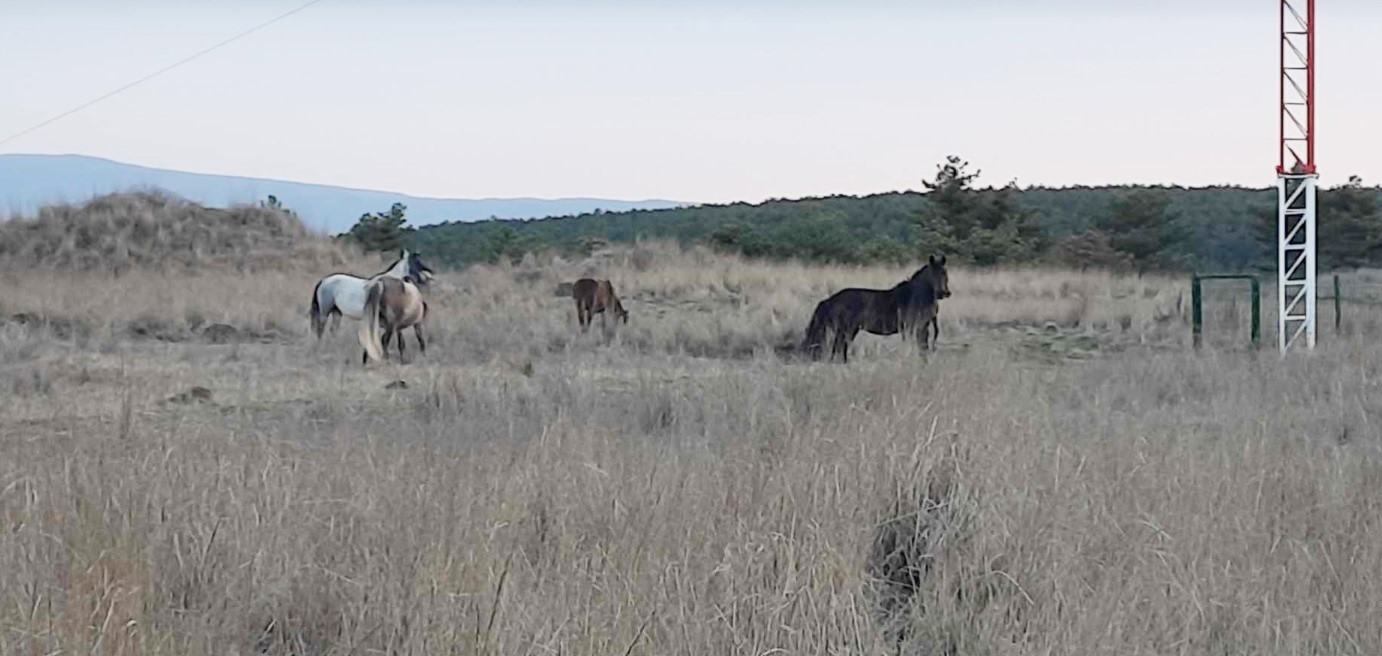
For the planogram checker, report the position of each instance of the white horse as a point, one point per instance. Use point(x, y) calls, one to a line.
point(342, 293)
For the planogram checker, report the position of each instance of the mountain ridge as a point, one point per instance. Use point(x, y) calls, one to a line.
point(30, 181)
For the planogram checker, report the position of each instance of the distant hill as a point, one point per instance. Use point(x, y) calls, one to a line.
point(28, 182)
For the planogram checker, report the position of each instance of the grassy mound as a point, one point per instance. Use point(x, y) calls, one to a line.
point(153, 230)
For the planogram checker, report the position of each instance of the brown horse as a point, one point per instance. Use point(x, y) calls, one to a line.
point(394, 304)
point(594, 297)
point(909, 307)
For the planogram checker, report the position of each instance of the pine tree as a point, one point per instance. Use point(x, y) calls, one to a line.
point(1090, 249)
point(1349, 228)
point(380, 232)
point(984, 227)
point(1141, 225)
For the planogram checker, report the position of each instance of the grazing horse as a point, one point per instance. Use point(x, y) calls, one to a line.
point(342, 293)
point(911, 306)
point(392, 304)
point(594, 297)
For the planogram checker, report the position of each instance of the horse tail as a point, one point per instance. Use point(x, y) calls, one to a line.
point(815, 331)
point(318, 323)
point(369, 328)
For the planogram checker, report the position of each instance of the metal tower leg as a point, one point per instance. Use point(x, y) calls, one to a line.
point(1295, 260)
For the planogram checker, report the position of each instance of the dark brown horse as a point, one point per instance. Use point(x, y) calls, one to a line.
point(392, 304)
point(594, 297)
point(909, 307)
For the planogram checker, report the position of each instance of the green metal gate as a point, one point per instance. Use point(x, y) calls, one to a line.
point(1197, 312)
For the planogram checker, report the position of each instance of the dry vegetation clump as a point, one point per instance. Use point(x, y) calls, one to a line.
point(153, 230)
point(534, 491)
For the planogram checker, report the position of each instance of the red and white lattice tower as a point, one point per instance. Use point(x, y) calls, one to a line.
point(1296, 179)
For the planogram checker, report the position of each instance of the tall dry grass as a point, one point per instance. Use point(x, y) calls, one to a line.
point(676, 487)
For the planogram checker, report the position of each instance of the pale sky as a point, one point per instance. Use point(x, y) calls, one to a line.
point(704, 101)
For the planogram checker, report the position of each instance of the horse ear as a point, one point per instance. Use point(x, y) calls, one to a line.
point(931, 260)
point(942, 260)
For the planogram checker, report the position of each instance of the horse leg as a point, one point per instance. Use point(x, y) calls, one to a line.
point(335, 320)
point(839, 346)
point(399, 333)
point(421, 344)
point(849, 338)
point(388, 335)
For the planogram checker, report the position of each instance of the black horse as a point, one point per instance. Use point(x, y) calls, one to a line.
point(911, 306)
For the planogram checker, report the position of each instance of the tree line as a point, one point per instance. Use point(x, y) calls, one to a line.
point(1136, 228)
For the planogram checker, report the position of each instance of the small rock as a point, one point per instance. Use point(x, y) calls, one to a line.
point(1052, 327)
point(220, 333)
point(397, 384)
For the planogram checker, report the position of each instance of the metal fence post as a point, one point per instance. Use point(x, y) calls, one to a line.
point(1196, 318)
point(1338, 316)
point(1256, 311)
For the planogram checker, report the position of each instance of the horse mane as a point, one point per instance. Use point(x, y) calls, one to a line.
point(915, 279)
point(388, 268)
point(919, 284)
point(923, 277)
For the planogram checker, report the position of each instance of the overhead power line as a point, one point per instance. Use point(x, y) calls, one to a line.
point(158, 72)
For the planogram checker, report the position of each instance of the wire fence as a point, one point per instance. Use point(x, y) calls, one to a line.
point(1348, 303)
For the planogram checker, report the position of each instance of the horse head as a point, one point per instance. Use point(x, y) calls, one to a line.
point(935, 275)
point(417, 270)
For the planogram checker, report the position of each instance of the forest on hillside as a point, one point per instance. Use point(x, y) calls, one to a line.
point(1129, 227)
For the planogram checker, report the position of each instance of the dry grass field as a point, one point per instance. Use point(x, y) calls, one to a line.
point(183, 470)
